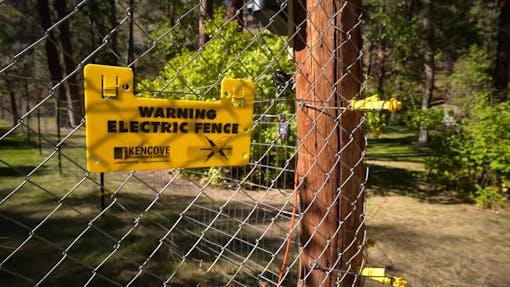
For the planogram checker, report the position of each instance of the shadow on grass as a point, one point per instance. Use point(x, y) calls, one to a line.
point(403, 157)
point(384, 181)
point(76, 239)
point(48, 139)
point(21, 170)
point(18, 142)
point(405, 240)
point(396, 167)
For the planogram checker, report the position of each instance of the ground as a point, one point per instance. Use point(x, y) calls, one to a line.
point(428, 237)
point(433, 244)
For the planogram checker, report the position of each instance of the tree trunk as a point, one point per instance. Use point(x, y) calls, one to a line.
point(131, 40)
point(27, 108)
point(367, 62)
point(503, 53)
point(206, 12)
point(51, 50)
point(49, 44)
point(14, 105)
point(113, 25)
point(330, 165)
point(92, 8)
point(410, 10)
point(73, 97)
point(429, 70)
point(381, 62)
point(171, 12)
point(235, 7)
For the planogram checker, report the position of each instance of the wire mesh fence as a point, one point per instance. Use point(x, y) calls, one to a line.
point(294, 215)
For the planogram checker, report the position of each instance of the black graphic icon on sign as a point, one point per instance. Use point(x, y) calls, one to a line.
point(216, 149)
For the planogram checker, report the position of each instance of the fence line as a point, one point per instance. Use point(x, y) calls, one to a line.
point(293, 216)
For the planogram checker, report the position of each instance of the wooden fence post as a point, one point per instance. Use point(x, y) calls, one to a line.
point(330, 167)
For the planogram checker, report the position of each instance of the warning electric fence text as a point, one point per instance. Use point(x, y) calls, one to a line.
point(122, 126)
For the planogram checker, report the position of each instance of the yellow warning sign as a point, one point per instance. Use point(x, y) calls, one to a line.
point(124, 132)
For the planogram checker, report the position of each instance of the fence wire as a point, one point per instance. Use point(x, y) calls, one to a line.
point(226, 226)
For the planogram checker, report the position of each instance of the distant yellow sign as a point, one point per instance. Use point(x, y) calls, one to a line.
point(124, 132)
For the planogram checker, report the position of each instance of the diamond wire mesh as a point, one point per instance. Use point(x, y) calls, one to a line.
point(234, 226)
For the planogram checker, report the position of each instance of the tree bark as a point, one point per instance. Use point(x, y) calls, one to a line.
point(131, 40)
point(113, 25)
point(352, 142)
point(503, 54)
point(92, 7)
point(206, 12)
point(73, 97)
point(49, 44)
point(51, 50)
point(429, 69)
point(330, 165)
point(14, 105)
point(381, 62)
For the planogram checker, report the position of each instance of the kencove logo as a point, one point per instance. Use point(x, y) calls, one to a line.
point(141, 152)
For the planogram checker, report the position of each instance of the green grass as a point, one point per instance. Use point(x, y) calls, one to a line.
point(429, 237)
point(397, 166)
point(58, 206)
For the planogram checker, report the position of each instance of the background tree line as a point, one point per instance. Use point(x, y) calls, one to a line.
point(448, 61)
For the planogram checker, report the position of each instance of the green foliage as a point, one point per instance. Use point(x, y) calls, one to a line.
point(190, 69)
point(389, 24)
point(393, 49)
point(216, 175)
point(195, 75)
point(430, 118)
point(395, 45)
point(489, 197)
point(172, 25)
point(474, 157)
point(470, 84)
point(375, 123)
point(475, 160)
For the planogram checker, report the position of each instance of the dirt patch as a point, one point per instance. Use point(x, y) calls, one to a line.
point(432, 244)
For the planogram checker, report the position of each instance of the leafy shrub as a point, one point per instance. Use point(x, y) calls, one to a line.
point(236, 54)
point(375, 123)
point(432, 118)
point(473, 158)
